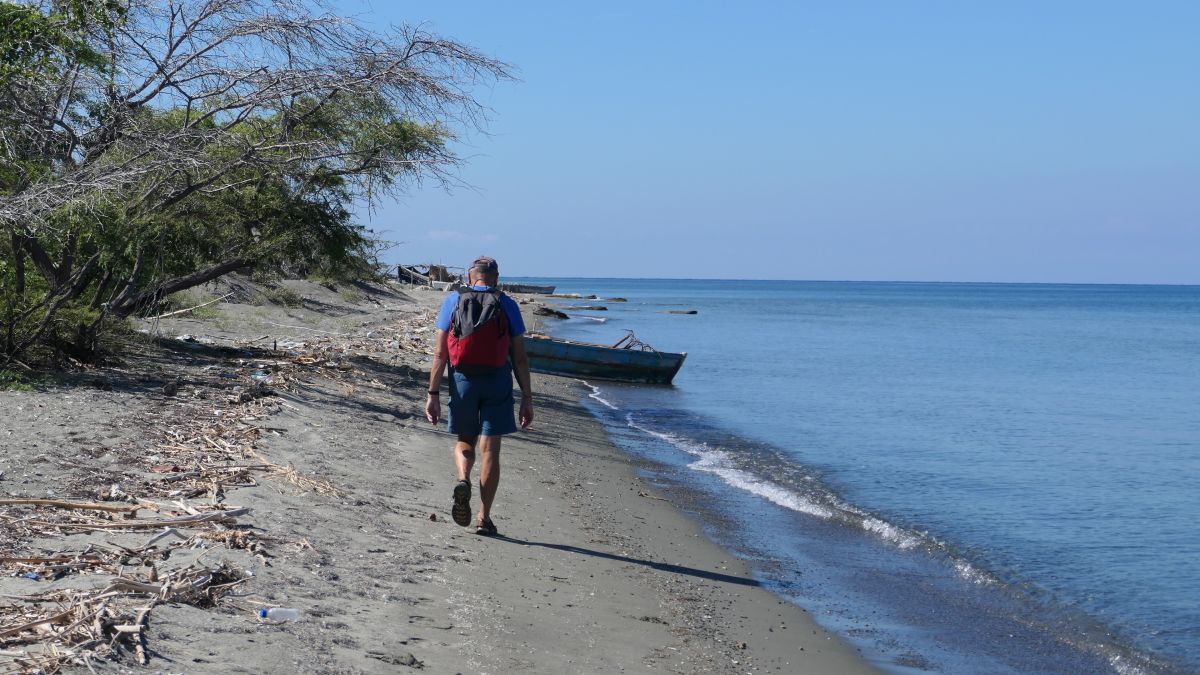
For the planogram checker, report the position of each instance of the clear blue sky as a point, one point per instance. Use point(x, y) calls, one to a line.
point(920, 140)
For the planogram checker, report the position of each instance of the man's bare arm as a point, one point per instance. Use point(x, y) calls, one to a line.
point(433, 404)
point(520, 362)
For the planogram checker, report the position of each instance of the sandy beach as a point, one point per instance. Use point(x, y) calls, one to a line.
point(348, 493)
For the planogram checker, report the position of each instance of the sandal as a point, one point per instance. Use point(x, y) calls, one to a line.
point(461, 511)
point(487, 528)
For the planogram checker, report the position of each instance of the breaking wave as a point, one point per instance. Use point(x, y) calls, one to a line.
point(812, 499)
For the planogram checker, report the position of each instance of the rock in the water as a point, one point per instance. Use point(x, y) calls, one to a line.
point(548, 311)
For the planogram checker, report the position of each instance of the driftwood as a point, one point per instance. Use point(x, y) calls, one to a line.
point(210, 517)
point(199, 449)
point(60, 504)
point(548, 311)
point(189, 309)
point(592, 308)
point(681, 311)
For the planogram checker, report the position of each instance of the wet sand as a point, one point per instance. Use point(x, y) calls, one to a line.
point(595, 571)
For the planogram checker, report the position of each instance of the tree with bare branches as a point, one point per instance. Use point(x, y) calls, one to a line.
point(150, 146)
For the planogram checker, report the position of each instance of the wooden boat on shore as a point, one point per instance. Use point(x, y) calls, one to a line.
point(630, 360)
point(526, 288)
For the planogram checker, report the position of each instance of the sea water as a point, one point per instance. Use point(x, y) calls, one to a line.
point(956, 477)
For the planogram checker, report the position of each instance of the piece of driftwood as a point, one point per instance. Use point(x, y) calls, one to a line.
point(210, 517)
point(61, 504)
point(550, 311)
point(681, 311)
point(591, 308)
point(190, 309)
point(54, 618)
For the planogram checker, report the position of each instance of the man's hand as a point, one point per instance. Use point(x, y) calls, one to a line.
point(433, 409)
point(526, 412)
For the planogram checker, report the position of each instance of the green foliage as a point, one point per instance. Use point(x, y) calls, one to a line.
point(266, 182)
point(12, 380)
point(283, 296)
point(351, 294)
point(33, 43)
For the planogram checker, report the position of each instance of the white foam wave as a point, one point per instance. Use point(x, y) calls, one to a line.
point(971, 573)
point(717, 462)
point(889, 532)
point(596, 395)
point(597, 319)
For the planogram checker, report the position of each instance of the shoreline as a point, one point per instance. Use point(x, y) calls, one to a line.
point(596, 571)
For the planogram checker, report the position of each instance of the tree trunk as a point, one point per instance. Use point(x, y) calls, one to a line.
point(128, 306)
point(101, 289)
point(18, 265)
point(67, 292)
point(41, 260)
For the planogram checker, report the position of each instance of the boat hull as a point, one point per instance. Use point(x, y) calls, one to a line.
point(526, 288)
point(588, 361)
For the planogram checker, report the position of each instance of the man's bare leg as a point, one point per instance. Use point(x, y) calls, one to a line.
point(489, 474)
point(464, 456)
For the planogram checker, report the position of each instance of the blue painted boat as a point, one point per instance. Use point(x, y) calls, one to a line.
point(629, 360)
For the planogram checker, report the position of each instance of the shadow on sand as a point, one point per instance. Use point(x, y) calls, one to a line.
point(660, 566)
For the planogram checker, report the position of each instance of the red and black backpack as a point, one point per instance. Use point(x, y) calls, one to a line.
point(479, 332)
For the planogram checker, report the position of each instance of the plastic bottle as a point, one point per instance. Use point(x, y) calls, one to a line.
point(279, 614)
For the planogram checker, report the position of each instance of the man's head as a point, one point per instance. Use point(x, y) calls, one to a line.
point(483, 271)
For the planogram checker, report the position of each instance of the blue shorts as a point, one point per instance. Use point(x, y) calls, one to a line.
point(482, 404)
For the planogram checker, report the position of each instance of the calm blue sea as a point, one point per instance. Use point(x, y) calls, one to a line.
point(973, 478)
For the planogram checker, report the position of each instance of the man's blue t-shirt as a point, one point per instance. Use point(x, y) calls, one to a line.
point(516, 324)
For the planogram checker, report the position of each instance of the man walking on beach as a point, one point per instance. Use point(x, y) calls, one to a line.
point(481, 337)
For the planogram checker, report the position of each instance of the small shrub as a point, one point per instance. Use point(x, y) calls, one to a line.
point(324, 280)
point(351, 294)
point(12, 380)
point(283, 296)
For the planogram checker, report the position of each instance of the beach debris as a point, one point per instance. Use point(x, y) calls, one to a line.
point(631, 341)
point(647, 495)
point(550, 311)
point(399, 659)
point(256, 390)
point(278, 614)
point(681, 311)
point(591, 308)
point(54, 629)
point(569, 296)
point(616, 300)
point(194, 453)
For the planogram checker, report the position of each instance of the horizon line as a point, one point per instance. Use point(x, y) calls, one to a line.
point(866, 281)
